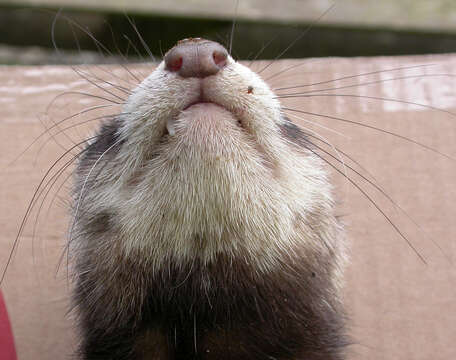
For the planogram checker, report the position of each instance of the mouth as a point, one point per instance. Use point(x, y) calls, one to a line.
point(199, 102)
point(203, 107)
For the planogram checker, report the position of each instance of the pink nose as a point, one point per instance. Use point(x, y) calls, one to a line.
point(196, 58)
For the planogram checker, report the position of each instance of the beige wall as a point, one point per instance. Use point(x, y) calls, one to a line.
point(399, 307)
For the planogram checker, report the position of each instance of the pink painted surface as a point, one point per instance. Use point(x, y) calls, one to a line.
point(399, 308)
point(7, 349)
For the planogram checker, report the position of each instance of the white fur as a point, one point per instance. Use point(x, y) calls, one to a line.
point(214, 187)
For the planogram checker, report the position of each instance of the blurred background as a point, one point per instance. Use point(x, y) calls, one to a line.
point(400, 308)
point(264, 28)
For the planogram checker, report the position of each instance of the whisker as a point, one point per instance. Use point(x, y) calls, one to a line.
point(309, 133)
point(71, 238)
point(51, 203)
point(351, 76)
point(136, 82)
point(374, 128)
point(264, 47)
point(349, 157)
point(160, 47)
point(119, 52)
point(85, 183)
point(379, 209)
point(31, 205)
point(79, 124)
point(54, 21)
point(83, 94)
point(371, 98)
point(373, 83)
point(51, 127)
point(73, 32)
point(310, 27)
point(233, 26)
point(51, 137)
point(54, 138)
point(123, 89)
point(320, 126)
point(124, 57)
point(47, 188)
point(138, 53)
point(390, 199)
point(84, 76)
point(144, 44)
point(70, 21)
point(285, 70)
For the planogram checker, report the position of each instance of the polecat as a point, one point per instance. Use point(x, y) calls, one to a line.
point(204, 225)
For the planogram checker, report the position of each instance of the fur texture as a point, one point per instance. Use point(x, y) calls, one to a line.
point(216, 240)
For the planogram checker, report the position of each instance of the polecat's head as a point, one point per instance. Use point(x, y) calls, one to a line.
point(200, 97)
point(203, 160)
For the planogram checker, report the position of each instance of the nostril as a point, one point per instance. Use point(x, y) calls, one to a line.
point(175, 64)
point(196, 58)
point(219, 58)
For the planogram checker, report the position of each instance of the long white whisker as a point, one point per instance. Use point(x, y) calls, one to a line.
point(341, 159)
point(84, 185)
point(319, 125)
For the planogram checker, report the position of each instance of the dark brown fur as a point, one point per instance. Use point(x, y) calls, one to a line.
point(188, 309)
point(222, 310)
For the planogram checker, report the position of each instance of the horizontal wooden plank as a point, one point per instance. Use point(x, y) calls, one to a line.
point(435, 15)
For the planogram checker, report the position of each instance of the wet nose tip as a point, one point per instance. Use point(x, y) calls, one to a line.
point(196, 58)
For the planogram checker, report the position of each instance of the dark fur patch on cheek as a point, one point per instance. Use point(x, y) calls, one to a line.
point(99, 223)
point(294, 133)
point(106, 143)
